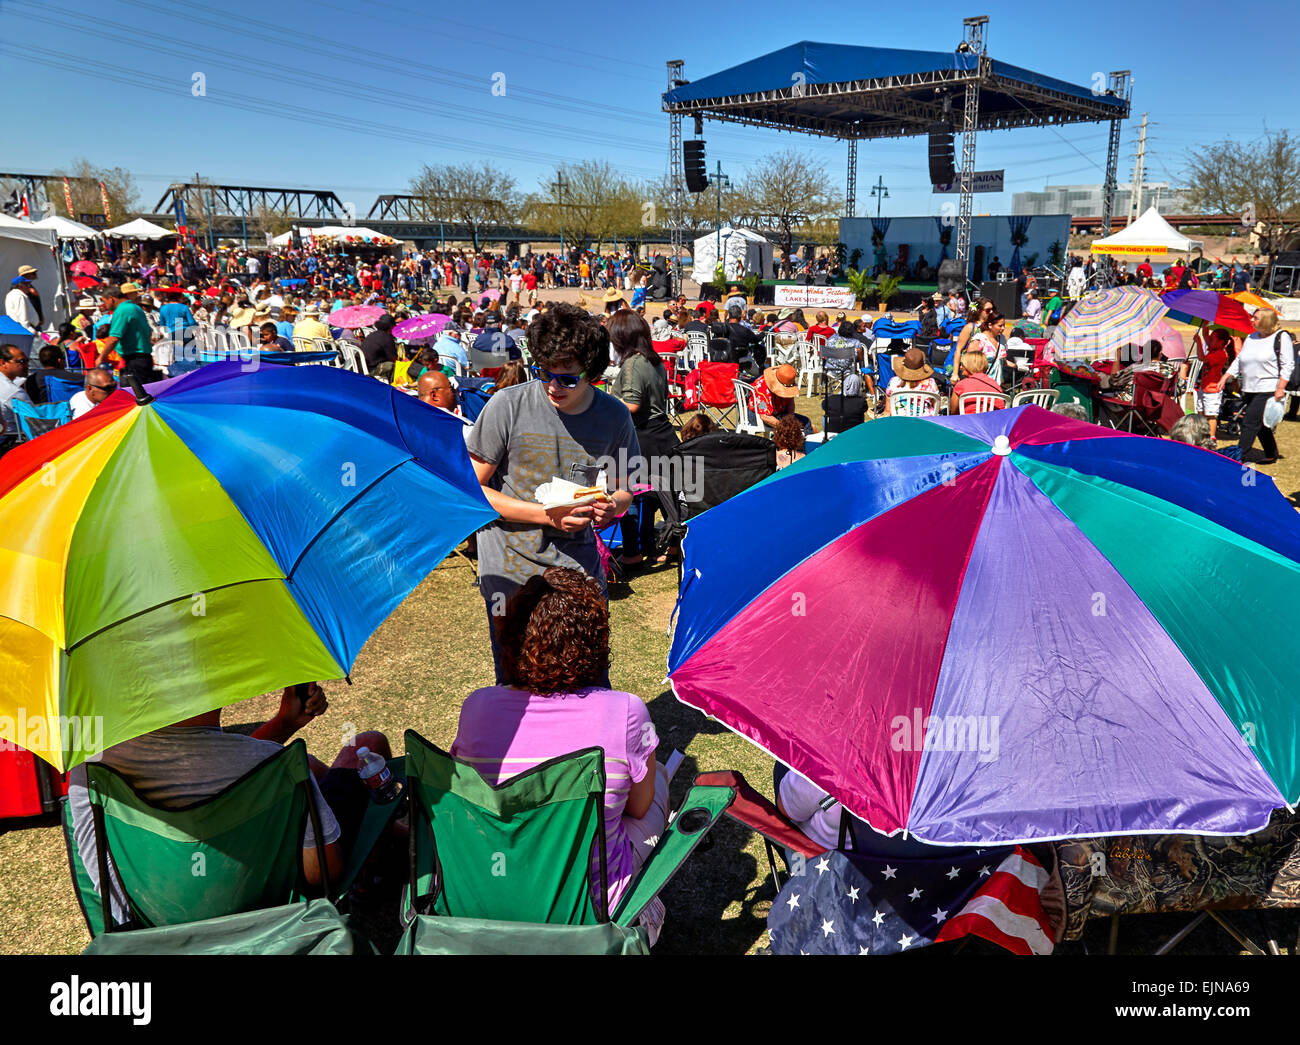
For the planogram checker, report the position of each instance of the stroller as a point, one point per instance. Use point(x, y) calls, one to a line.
point(1231, 408)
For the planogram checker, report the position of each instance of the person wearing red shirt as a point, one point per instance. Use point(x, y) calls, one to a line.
point(1144, 272)
point(822, 326)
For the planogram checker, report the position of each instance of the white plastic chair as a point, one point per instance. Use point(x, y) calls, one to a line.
point(783, 352)
point(747, 419)
point(304, 344)
point(912, 402)
point(810, 365)
point(697, 347)
point(982, 402)
point(353, 358)
point(1044, 397)
point(1188, 387)
point(238, 339)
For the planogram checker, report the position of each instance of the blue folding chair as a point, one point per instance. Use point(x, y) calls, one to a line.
point(36, 420)
point(58, 390)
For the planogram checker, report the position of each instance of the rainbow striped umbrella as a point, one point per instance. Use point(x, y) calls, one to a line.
point(234, 533)
point(1105, 320)
point(993, 628)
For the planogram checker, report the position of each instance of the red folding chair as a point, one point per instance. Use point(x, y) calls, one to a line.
point(717, 393)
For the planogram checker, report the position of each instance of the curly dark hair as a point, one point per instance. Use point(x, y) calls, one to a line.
point(569, 336)
point(554, 637)
point(788, 434)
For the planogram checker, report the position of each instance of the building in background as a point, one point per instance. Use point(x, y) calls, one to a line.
point(1084, 201)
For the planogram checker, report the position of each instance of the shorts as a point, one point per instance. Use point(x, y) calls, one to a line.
point(1208, 403)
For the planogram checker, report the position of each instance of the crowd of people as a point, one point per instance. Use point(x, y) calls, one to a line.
point(572, 391)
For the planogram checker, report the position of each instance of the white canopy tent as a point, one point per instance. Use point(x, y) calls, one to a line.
point(743, 251)
point(24, 243)
point(139, 229)
point(336, 233)
point(66, 228)
point(1149, 236)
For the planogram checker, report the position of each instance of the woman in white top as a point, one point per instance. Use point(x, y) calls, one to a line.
point(1262, 367)
point(991, 339)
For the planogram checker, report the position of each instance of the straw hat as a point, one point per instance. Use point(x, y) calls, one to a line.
point(913, 366)
point(240, 317)
point(129, 289)
point(780, 380)
point(612, 294)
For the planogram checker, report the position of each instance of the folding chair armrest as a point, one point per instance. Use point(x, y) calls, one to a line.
point(759, 814)
point(698, 813)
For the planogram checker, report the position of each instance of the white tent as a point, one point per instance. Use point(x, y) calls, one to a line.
point(1149, 236)
point(66, 228)
point(23, 243)
point(139, 229)
point(743, 251)
point(331, 233)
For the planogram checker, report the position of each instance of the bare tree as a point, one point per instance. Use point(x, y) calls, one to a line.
point(1258, 180)
point(464, 192)
point(784, 192)
point(591, 202)
point(83, 186)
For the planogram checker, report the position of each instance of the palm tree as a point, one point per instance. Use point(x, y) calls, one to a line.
point(862, 285)
point(886, 288)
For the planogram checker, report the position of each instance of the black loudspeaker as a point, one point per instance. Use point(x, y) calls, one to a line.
point(951, 276)
point(697, 178)
point(977, 265)
point(1004, 298)
point(942, 170)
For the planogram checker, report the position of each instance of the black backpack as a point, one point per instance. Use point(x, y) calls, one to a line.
point(1293, 383)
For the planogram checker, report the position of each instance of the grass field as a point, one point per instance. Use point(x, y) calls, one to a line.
point(415, 671)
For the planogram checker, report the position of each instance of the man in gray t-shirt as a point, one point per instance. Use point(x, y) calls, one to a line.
point(557, 426)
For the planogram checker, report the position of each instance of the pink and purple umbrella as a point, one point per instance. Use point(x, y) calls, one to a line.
point(421, 328)
point(1208, 307)
point(355, 316)
point(992, 629)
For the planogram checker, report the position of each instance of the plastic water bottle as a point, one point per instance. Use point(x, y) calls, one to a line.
point(375, 775)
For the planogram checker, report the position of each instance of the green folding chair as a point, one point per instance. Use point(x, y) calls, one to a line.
point(508, 869)
point(221, 876)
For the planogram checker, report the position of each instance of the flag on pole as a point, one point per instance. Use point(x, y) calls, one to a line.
point(67, 196)
point(27, 213)
point(103, 195)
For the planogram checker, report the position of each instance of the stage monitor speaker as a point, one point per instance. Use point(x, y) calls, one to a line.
point(977, 265)
point(1004, 298)
point(697, 177)
point(951, 276)
point(942, 170)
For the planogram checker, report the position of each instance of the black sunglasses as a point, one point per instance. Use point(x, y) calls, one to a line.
point(563, 380)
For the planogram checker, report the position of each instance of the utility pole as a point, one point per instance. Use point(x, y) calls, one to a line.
point(721, 181)
point(879, 191)
point(559, 186)
point(1139, 172)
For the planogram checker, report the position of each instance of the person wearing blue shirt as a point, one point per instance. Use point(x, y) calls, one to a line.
point(175, 317)
point(448, 346)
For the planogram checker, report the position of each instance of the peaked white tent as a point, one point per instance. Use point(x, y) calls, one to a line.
point(743, 251)
point(1149, 236)
point(66, 228)
point(340, 233)
point(25, 243)
point(139, 229)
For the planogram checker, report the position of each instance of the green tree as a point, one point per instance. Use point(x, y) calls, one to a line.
point(83, 184)
point(1258, 180)
point(784, 192)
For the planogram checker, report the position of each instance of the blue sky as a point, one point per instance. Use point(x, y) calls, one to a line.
point(355, 98)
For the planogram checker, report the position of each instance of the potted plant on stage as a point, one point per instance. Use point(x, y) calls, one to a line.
point(750, 283)
point(862, 285)
point(886, 288)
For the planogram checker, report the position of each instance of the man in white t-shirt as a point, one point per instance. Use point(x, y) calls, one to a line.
point(100, 384)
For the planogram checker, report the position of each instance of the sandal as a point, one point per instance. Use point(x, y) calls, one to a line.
point(668, 557)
